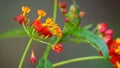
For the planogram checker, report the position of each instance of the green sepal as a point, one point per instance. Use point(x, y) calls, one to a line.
point(44, 63)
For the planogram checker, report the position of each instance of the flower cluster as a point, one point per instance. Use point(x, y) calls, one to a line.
point(22, 18)
point(113, 45)
point(72, 11)
point(49, 28)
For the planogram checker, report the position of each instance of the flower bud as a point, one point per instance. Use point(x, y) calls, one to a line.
point(63, 5)
point(102, 27)
point(64, 11)
point(109, 32)
point(57, 48)
point(67, 20)
point(33, 58)
point(72, 8)
point(82, 13)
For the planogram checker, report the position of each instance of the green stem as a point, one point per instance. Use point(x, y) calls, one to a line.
point(26, 29)
point(24, 54)
point(77, 60)
point(49, 47)
point(42, 41)
point(55, 10)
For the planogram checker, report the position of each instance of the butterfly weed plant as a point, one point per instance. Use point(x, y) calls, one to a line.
point(48, 32)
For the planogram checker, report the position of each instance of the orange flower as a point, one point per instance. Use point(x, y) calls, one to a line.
point(57, 30)
point(49, 22)
point(22, 18)
point(41, 13)
point(118, 41)
point(49, 28)
point(118, 65)
point(25, 10)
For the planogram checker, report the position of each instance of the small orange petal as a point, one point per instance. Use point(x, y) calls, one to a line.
point(25, 9)
point(118, 40)
point(48, 20)
point(118, 65)
point(42, 13)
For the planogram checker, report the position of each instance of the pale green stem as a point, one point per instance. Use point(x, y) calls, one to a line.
point(77, 60)
point(26, 29)
point(55, 10)
point(42, 41)
point(24, 54)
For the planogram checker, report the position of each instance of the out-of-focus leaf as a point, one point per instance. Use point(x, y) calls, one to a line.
point(43, 63)
point(87, 27)
point(92, 38)
point(14, 33)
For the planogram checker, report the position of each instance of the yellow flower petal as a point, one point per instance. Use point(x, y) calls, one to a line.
point(48, 20)
point(118, 40)
point(25, 9)
point(118, 65)
point(42, 13)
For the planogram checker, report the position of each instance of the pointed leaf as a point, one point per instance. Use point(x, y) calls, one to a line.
point(88, 26)
point(19, 32)
point(43, 63)
point(92, 38)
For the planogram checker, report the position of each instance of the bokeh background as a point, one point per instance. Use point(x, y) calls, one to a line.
point(97, 11)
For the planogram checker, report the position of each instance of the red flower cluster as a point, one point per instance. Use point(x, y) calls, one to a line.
point(42, 30)
point(22, 18)
point(62, 7)
point(114, 53)
point(106, 34)
point(47, 29)
point(57, 48)
point(113, 45)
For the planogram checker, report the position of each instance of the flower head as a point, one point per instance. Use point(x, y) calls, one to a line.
point(57, 48)
point(114, 52)
point(22, 18)
point(49, 22)
point(42, 30)
point(25, 10)
point(41, 13)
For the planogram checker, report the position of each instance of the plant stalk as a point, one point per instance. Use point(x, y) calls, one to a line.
point(24, 54)
point(77, 60)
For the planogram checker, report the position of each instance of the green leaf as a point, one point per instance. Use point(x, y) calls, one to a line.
point(14, 33)
point(88, 26)
point(92, 38)
point(44, 63)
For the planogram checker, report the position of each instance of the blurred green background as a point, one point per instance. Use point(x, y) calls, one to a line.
point(96, 10)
